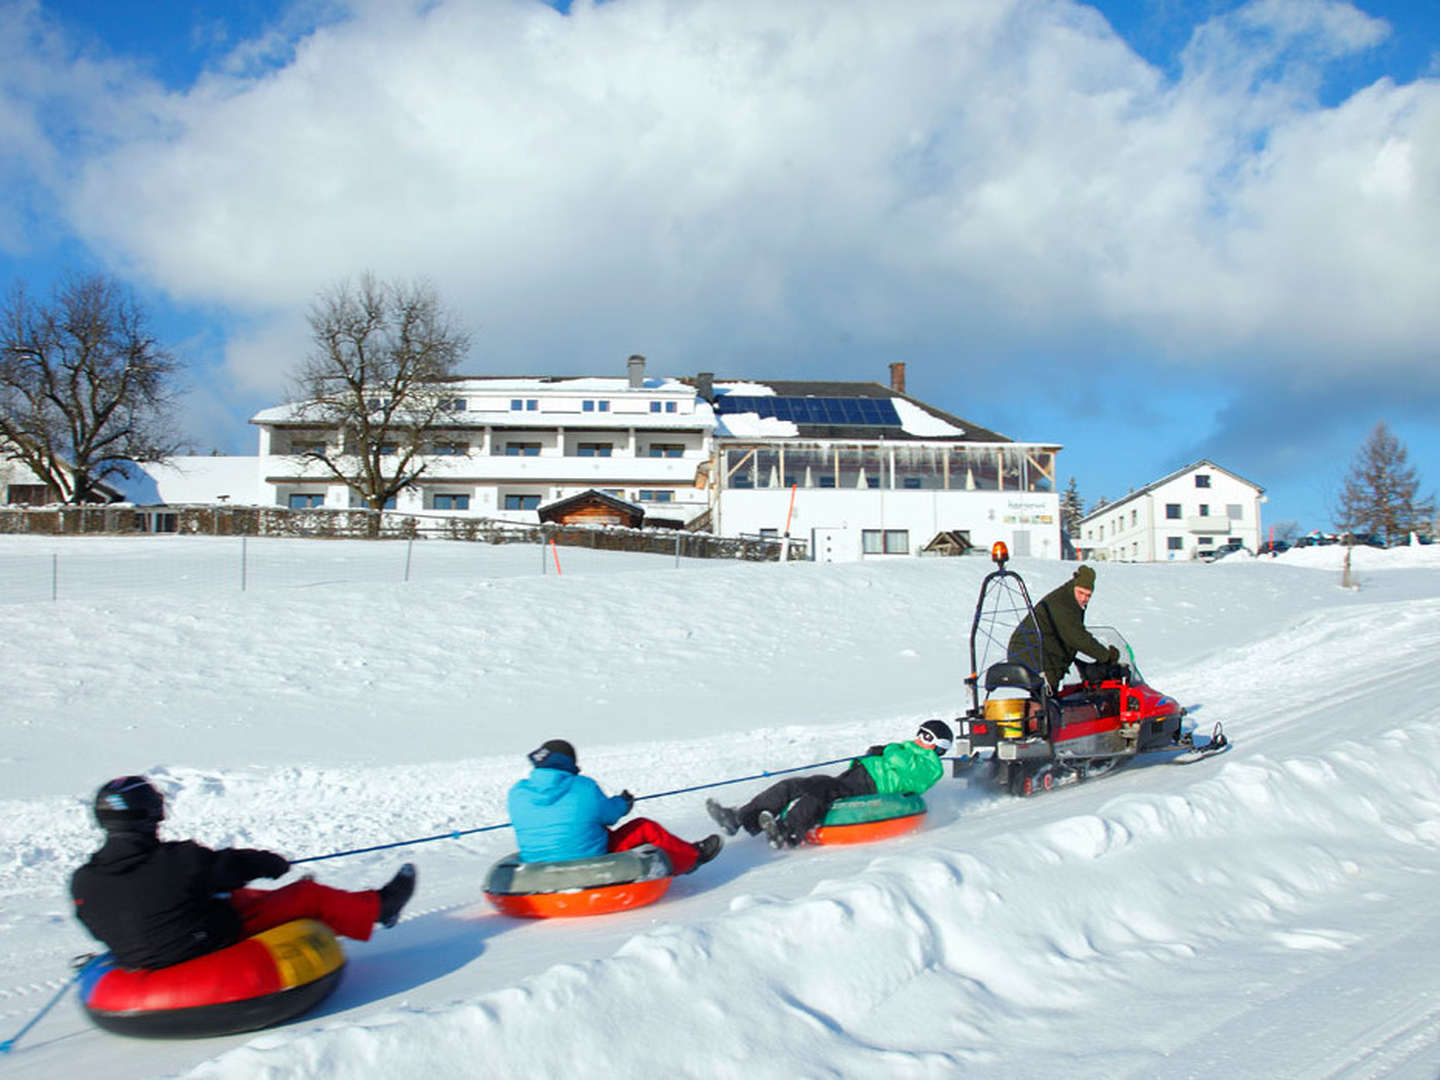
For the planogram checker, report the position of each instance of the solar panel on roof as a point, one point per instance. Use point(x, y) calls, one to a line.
point(857, 412)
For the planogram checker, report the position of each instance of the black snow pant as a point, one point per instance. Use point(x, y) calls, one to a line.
point(808, 799)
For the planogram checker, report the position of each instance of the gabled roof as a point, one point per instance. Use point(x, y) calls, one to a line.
point(1204, 463)
point(591, 497)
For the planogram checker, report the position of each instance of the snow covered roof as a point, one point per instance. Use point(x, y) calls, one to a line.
point(195, 479)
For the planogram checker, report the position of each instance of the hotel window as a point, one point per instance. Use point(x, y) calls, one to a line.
point(522, 449)
point(592, 405)
point(1175, 543)
point(306, 500)
point(595, 449)
point(1204, 509)
point(657, 496)
point(1172, 511)
point(667, 449)
point(452, 449)
point(1202, 480)
point(524, 404)
point(521, 502)
point(885, 541)
point(451, 502)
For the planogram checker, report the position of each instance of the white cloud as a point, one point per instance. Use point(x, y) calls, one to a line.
point(686, 178)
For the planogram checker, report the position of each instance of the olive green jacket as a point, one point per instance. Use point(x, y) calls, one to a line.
point(1062, 634)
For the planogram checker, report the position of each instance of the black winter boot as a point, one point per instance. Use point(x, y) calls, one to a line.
point(395, 894)
point(708, 849)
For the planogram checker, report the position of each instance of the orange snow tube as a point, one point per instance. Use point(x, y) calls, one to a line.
point(596, 885)
point(263, 980)
point(869, 817)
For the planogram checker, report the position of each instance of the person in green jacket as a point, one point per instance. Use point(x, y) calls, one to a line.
point(1061, 617)
point(910, 767)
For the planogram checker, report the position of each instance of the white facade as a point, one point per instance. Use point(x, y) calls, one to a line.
point(511, 445)
point(855, 487)
point(1185, 515)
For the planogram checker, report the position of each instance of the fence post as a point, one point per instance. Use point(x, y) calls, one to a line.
point(409, 546)
point(677, 551)
point(244, 552)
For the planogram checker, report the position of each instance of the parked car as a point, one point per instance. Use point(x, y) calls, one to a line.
point(1272, 547)
point(1366, 540)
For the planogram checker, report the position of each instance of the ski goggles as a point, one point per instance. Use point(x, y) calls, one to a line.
point(928, 737)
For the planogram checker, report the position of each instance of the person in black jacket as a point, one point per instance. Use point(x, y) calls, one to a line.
point(1062, 633)
point(154, 903)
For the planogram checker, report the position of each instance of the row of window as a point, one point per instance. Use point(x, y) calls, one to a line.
point(310, 500)
point(588, 405)
point(514, 449)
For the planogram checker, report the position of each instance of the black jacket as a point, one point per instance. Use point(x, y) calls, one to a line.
point(154, 904)
point(1062, 635)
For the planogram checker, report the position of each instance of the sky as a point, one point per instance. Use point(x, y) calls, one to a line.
point(1150, 231)
point(1266, 912)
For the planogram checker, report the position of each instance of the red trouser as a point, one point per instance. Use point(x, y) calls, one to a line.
point(349, 914)
point(644, 831)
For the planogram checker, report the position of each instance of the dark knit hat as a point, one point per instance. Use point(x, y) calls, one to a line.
point(549, 754)
point(937, 733)
point(1084, 578)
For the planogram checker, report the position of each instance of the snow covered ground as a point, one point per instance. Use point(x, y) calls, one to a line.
point(1269, 912)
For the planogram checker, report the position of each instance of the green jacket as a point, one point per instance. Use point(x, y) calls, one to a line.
point(1062, 635)
point(903, 767)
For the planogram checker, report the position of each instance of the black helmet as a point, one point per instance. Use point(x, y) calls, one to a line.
point(129, 804)
point(936, 734)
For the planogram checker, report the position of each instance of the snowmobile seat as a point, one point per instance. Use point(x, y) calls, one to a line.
point(1013, 674)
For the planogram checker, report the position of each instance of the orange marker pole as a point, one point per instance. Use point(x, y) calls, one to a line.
point(556, 552)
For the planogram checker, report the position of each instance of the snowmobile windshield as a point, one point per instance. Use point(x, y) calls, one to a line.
point(1108, 635)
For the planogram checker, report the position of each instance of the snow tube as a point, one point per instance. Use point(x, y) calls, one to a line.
point(592, 886)
point(263, 980)
point(869, 817)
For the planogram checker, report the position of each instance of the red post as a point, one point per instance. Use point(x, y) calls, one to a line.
point(554, 550)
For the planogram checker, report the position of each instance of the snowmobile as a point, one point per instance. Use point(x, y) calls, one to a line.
point(1034, 739)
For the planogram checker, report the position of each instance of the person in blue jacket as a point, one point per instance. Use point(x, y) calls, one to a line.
point(558, 814)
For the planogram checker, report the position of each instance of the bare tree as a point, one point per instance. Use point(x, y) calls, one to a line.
point(1286, 530)
point(1378, 494)
point(85, 391)
point(377, 376)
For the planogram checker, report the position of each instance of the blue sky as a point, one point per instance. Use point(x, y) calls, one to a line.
point(1152, 230)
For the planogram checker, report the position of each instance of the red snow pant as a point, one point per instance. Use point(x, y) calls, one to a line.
point(349, 914)
point(644, 831)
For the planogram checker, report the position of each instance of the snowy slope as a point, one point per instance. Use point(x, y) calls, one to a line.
point(1265, 913)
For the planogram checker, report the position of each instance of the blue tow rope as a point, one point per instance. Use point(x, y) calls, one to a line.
point(505, 824)
point(9, 1044)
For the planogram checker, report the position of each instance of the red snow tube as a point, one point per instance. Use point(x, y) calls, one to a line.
point(596, 885)
point(263, 980)
point(869, 817)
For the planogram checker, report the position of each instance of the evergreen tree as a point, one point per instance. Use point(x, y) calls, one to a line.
point(1072, 509)
point(1378, 494)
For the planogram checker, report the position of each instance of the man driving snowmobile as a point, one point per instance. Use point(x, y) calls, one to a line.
point(1050, 648)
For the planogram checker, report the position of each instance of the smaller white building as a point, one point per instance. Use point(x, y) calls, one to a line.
point(1185, 515)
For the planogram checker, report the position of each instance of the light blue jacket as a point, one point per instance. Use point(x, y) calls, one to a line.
point(558, 815)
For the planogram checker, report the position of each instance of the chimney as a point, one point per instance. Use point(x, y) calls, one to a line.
point(897, 376)
point(705, 385)
point(635, 366)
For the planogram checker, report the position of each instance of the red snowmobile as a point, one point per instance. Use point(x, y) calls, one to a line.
point(1038, 739)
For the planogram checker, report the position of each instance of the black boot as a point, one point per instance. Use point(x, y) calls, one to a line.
point(725, 817)
point(708, 849)
point(395, 894)
point(775, 831)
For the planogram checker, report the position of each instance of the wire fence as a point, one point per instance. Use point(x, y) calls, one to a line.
point(92, 565)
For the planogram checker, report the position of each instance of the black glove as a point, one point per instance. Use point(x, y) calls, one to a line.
point(1113, 655)
point(629, 800)
point(875, 751)
point(275, 865)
